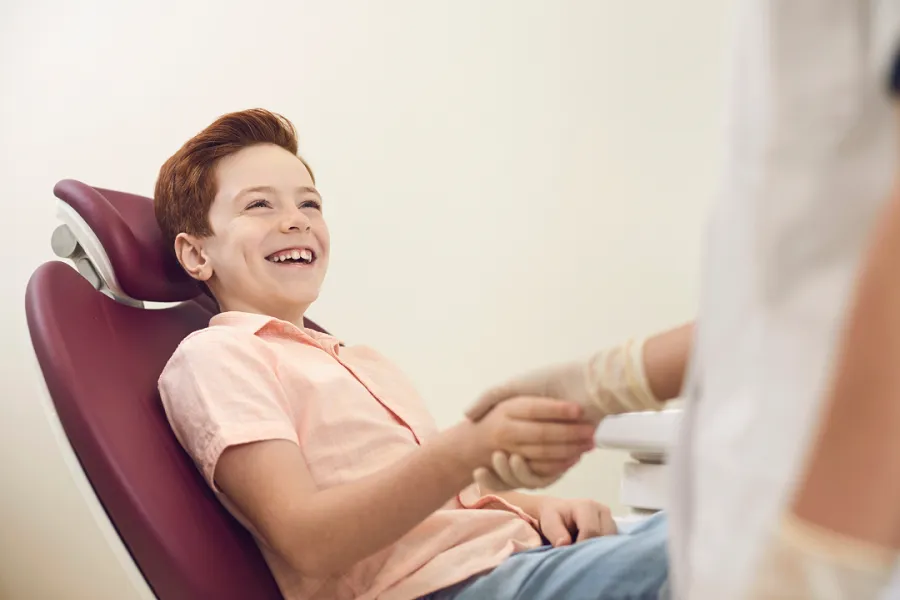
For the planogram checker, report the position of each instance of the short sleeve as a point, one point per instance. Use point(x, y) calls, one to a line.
point(220, 389)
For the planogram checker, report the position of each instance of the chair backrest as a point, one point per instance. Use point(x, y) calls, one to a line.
point(101, 358)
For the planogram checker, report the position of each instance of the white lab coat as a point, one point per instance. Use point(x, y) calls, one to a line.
point(810, 159)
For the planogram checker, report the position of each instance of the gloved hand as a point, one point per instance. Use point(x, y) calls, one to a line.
point(610, 382)
point(510, 472)
point(803, 561)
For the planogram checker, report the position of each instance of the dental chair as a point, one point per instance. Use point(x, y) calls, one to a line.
point(102, 332)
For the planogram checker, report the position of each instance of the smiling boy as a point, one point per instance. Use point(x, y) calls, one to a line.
point(325, 452)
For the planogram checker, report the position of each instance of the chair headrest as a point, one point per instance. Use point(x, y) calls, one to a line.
point(144, 267)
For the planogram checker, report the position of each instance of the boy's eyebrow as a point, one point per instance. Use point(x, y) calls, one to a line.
point(304, 189)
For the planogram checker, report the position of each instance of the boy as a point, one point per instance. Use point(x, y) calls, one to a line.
point(325, 452)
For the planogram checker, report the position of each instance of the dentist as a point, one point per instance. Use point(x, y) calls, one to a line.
point(787, 473)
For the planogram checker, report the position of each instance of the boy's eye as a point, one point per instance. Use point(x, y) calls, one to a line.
point(314, 204)
point(258, 203)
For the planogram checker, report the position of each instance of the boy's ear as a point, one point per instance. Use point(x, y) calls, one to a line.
point(189, 251)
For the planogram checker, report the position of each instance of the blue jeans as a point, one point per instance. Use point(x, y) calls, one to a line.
point(632, 564)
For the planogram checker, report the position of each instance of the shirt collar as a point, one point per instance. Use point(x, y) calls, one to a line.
point(254, 323)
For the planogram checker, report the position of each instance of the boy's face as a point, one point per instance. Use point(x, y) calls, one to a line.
point(266, 209)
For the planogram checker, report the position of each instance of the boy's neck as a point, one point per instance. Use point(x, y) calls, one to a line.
point(292, 315)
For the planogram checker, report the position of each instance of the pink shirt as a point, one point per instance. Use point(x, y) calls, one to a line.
point(249, 377)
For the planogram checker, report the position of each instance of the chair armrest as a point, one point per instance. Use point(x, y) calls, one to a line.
point(647, 436)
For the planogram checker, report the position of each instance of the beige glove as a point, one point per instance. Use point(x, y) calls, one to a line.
point(510, 472)
point(610, 382)
point(806, 562)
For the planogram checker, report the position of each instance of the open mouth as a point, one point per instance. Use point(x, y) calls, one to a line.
point(293, 256)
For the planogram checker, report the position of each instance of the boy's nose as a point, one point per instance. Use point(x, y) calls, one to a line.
point(295, 220)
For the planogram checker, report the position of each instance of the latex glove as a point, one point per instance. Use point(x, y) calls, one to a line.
point(610, 382)
point(803, 561)
point(511, 472)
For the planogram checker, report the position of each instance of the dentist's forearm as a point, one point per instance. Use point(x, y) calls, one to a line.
point(665, 361)
point(852, 482)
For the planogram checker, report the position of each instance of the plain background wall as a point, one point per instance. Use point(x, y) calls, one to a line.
point(508, 183)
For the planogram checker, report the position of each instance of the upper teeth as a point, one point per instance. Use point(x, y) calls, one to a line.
point(306, 255)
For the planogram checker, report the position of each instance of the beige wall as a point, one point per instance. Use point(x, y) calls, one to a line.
point(508, 183)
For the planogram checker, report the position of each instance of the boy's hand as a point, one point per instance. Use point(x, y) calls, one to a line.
point(549, 434)
point(509, 470)
point(564, 522)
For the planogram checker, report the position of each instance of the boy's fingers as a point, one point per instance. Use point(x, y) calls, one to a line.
point(528, 408)
point(589, 523)
point(550, 409)
point(554, 529)
point(607, 521)
point(527, 433)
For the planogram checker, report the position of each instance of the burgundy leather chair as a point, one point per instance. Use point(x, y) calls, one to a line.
point(101, 348)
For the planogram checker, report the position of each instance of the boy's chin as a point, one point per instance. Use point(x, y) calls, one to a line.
point(303, 297)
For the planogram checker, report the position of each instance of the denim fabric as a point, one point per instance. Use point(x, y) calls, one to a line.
point(631, 565)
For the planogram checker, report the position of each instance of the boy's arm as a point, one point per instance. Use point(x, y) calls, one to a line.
point(323, 532)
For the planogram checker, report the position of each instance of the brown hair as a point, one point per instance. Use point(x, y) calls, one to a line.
point(187, 185)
